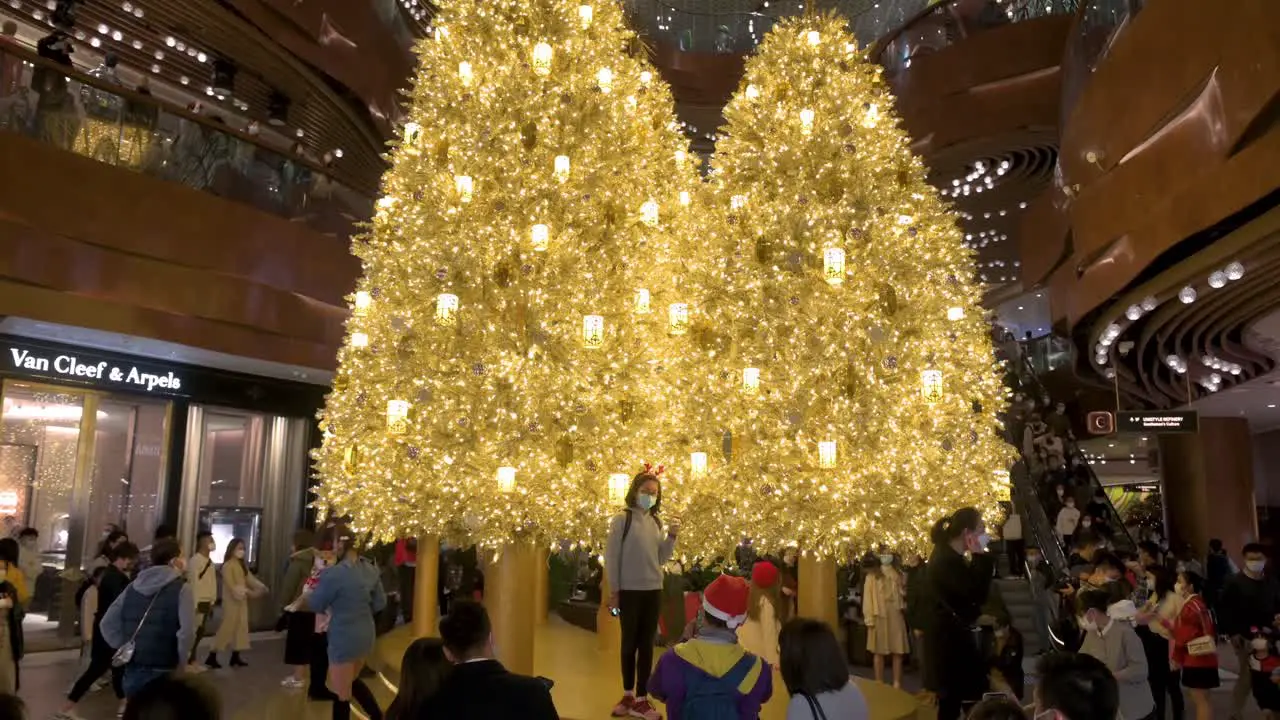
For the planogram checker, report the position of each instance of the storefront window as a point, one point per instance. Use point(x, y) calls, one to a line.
point(128, 471)
point(39, 437)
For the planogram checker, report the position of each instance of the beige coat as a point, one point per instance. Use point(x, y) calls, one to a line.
point(238, 586)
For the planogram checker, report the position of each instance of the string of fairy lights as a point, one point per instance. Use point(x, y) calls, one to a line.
point(553, 297)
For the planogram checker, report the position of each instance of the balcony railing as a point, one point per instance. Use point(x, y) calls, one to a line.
point(737, 26)
point(1098, 25)
point(948, 22)
point(98, 119)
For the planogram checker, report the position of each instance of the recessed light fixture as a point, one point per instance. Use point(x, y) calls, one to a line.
point(1272, 405)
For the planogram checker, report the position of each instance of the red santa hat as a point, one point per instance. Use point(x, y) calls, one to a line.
point(726, 599)
point(764, 574)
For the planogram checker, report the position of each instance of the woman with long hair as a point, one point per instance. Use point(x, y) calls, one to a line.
point(816, 675)
point(1194, 646)
point(422, 672)
point(765, 613)
point(1162, 604)
point(637, 549)
point(883, 607)
point(959, 576)
point(351, 592)
point(239, 585)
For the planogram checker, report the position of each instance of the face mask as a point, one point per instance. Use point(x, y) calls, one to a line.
point(240, 553)
point(1258, 644)
point(1061, 492)
point(646, 502)
point(1071, 504)
point(983, 541)
point(1086, 523)
point(319, 563)
point(886, 559)
point(1256, 566)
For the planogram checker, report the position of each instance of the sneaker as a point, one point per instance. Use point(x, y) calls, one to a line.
point(623, 708)
point(292, 683)
point(645, 711)
point(196, 668)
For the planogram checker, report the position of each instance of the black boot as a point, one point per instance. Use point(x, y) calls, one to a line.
point(341, 710)
point(212, 663)
point(368, 703)
point(237, 661)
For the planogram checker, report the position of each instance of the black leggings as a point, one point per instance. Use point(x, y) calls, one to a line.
point(99, 664)
point(638, 612)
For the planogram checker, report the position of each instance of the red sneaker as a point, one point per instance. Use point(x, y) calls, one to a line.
point(623, 708)
point(645, 711)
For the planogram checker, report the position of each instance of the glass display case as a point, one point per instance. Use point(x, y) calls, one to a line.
point(228, 523)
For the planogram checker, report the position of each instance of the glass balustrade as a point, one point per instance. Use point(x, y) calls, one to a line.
point(1100, 23)
point(948, 22)
point(737, 26)
point(92, 117)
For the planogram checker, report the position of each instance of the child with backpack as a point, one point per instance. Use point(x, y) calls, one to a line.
point(711, 677)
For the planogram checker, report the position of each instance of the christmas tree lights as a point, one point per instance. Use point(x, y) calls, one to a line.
point(845, 286)
point(503, 369)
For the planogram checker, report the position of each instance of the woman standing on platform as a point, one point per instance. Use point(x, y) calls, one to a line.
point(636, 551)
point(1194, 648)
point(300, 626)
point(883, 606)
point(238, 586)
point(959, 576)
point(350, 592)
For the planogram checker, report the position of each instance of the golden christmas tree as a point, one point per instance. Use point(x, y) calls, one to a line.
point(526, 296)
point(851, 361)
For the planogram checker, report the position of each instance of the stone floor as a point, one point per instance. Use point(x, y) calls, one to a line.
point(254, 693)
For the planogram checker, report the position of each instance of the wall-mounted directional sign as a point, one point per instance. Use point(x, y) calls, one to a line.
point(1150, 421)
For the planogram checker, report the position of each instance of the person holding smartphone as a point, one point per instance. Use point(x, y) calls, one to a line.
point(958, 578)
point(637, 549)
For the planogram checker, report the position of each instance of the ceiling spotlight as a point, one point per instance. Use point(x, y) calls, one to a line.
point(1150, 303)
point(1234, 271)
point(155, 68)
point(1217, 280)
point(277, 108)
point(103, 29)
point(1172, 361)
point(1187, 295)
point(337, 152)
point(300, 132)
point(117, 35)
point(169, 41)
point(1133, 313)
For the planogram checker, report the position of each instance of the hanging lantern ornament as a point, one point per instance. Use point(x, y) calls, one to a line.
point(362, 302)
point(646, 77)
point(685, 198)
point(447, 309)
point(827, 454)
point(649, 213)
point(737, 202)
point(698, 465)
point(412, 133)
point(872, 117)
point(752, 92)
point(562, 168)
point(751, 380)
point(465, 73)
point(833, 265)
point(593, 331)
point(642, 302)
point(931, 385)
point(806, 121)
point(398, 417)
point(604, 80)
point(619, 484)
point(506, 479)
point(540, 235)
point(814, 37)
point(586, 14)
point(543, 54)
point(955, 314)
point(464, 186)
point(678, 318)
point(359, 340)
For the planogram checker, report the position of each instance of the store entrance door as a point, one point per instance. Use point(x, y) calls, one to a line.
point(74, 464)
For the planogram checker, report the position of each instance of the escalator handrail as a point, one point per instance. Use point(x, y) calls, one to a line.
point(884, 42)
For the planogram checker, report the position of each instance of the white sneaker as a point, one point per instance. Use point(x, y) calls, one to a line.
point(293, 683)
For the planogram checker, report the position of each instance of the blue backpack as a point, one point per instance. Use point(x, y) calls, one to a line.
point(710, 698)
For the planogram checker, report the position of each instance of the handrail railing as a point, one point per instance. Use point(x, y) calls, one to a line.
point(737, 26)
point(1095, 30)
point(96, 118)
point(947, 22)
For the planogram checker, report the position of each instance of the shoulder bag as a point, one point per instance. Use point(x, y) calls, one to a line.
point(124, 654)
point(815, 707)
point(1205, 644)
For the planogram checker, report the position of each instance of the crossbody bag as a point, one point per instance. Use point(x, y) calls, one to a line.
point(204, 607)
point(124, 654)
point(815, 707)
point(1205, 644)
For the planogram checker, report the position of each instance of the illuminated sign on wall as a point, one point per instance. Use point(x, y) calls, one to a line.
point(1187, 421)
point(80, 368)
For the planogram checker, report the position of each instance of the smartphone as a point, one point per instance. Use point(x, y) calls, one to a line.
point(615, 611)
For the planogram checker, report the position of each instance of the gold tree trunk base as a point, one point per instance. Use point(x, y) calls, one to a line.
point(426, 578)
point(816, 596)
point(512, 614)
point(541, 589)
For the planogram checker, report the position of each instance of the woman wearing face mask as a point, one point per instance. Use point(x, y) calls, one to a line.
point(1162, 606)
point(1068, 521)
point(238, 586)
point(959, 576)
point(301, 626)
point(883, 602)
point(636, 551)
point(1193, 648)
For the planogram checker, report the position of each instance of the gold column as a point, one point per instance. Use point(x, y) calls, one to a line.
point(426, 607)
point(816, 596)
point(509, 607)
point(608, 631)
point(541, 581)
